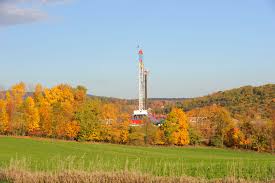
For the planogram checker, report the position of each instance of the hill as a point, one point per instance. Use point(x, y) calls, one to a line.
point(249, 101)
point(244, 101)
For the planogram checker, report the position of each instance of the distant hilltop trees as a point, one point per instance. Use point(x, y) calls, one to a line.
point(244, 101)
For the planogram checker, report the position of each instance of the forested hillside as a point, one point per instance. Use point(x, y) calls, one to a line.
point(245, 101)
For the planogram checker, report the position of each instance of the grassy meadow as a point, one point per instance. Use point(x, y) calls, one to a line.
point(46, 155)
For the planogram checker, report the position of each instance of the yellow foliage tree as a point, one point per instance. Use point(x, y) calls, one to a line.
point(114, 127)
point(10, 106)
point(159, 137)
point(18, 91)
point(59, 94)
point(109, 113)
point(38, 94)
point(123, 121)
point(31, 115)
point(124, 132)
point(63, 115)
point(176, 127)
point(45, 113)
point(3, 117)
point(72, 129)
point(58, 110)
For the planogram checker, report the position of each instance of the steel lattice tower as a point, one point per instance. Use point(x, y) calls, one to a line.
point(141, 81)
point(142, 92)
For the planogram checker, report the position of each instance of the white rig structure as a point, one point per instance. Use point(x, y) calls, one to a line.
point(142, 85)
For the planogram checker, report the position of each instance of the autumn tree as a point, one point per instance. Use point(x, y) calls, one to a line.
point(160, 138)
point(109, 113)
point(63, 114)
point(59, 108)
point(38, 94)
point(246, 128)
point(10, 106)
point(14, 99)
point(124, 132)
point(46, 118)
point(114, 123)
point(260, 139)
point(176, 127)
point(88, 116)
point(200, 124)
point(136, 135)
point(194, 136)
point(150, 131)
point(222, 123)
point(3, 116)
point(72, 128)
point(80, 95)
point(235, 138)
point(272, 112)
point(115, 132)
point(18, 91)
point(123, 122)
point(31, 115)
point(213, 122)
point(59, 94)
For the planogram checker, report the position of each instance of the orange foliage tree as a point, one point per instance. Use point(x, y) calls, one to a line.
point(235, 138)
point(31, 115)
point(45, 112)
point(72, 129)
point(10, 111)
point(213, 122)
point(3, 117)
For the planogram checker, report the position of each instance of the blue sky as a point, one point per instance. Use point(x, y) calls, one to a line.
point(191, 48)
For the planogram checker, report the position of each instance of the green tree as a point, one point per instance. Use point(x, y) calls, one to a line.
point(160, 138)
point(89, 117)
point(222, 123)
point(149, 131)
point(136, 135)
point(194, 136)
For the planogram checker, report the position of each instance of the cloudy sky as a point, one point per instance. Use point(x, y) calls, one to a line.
point(14, 12)
point(191, 48)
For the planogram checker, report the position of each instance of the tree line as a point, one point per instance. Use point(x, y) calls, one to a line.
point(66, 112)
point(247, 101)
point(213, 125)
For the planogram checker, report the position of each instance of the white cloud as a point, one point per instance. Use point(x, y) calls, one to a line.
point(12, 13)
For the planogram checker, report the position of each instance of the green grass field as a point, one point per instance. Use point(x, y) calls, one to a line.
point(209, 163)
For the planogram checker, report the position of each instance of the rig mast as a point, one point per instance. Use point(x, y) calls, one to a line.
point(141, 82)
point(142, 112)
point(142, 91)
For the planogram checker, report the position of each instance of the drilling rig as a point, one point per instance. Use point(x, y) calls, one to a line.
point(139, 114)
